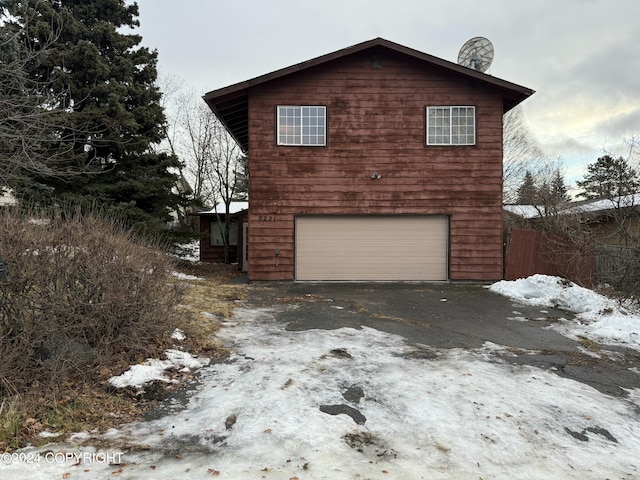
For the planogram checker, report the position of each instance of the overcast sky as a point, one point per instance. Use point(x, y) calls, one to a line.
point(582, 57)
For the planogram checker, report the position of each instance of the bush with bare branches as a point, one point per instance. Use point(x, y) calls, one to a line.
point(80, 293)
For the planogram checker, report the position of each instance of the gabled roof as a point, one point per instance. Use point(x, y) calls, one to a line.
point(230, 104)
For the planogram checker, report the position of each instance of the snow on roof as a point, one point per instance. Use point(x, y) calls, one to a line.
point(589, 206)
point(234, 207)
point(525, 211)
point(624, 201)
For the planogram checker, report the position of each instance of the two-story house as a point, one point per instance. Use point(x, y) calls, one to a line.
point(375, 162)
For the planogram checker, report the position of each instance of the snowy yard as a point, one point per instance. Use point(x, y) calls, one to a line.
point(357, 404)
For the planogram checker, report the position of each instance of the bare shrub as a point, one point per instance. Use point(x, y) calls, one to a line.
point(80, 292)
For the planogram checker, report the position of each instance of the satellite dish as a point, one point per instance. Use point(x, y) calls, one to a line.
point(476, 53)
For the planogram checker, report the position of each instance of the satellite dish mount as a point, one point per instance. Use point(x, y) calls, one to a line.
point(476, 53)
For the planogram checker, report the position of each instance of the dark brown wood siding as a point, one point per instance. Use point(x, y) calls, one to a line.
point(215, 253)
point(376, 121)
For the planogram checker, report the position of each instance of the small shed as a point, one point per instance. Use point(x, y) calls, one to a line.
point(211, 227)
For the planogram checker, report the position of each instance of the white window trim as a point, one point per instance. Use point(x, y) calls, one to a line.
point(450, 142)
point(301, 144)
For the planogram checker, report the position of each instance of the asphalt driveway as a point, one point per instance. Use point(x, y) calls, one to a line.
point(451, 315)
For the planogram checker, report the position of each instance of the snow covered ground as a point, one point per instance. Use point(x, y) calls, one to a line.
point(598, 318)
point(407, 412)
point(189, 252)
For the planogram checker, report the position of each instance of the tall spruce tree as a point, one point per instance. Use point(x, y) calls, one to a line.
point(558, 189)
point(527, 191)
point(105, 82)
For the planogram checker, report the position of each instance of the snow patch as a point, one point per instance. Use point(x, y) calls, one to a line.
point(544, 290)
point(178, 335)
point(184, 276)
point(154, 369)
point(189, 252)
point(597, 317)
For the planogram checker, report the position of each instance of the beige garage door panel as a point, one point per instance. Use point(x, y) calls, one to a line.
point(371, 248)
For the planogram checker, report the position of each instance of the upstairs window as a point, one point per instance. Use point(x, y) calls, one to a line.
point(302, 125)
point(451, 125)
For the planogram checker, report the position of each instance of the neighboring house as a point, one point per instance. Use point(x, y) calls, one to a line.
point(612, 221)
point(525, 212)
point(183, 215)
point(211, 242)
point(614, 224)
point(375, 162)
point(609, 253)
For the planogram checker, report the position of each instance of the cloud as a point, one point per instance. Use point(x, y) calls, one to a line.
point(581, 56)
point(626, 123)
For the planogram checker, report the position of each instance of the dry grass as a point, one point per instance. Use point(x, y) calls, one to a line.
point(356, 307)
point(205, 304)
point(11, 413)
point(589, 344)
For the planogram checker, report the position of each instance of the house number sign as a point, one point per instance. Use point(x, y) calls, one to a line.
point(266, 218)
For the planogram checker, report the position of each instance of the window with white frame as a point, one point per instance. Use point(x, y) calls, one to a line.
point(451, 125)
point(302, 125)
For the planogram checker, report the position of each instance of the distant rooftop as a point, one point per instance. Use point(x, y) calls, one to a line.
point(525, 211)
point(585, 206)
point(234, 207)
point(604, 204)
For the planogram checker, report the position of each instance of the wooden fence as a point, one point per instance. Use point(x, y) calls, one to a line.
point(529, 252)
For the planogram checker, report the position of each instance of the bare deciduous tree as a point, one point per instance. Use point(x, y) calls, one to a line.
point(214, 163)
point(172, 104)
point(521, 153)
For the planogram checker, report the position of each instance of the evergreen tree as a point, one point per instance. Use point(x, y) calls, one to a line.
point(609, 177)
point(527, 191)
point(543, 194)
point(105, 83)
point(558, 189)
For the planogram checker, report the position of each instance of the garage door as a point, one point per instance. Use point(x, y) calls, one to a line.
point(371, 248)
